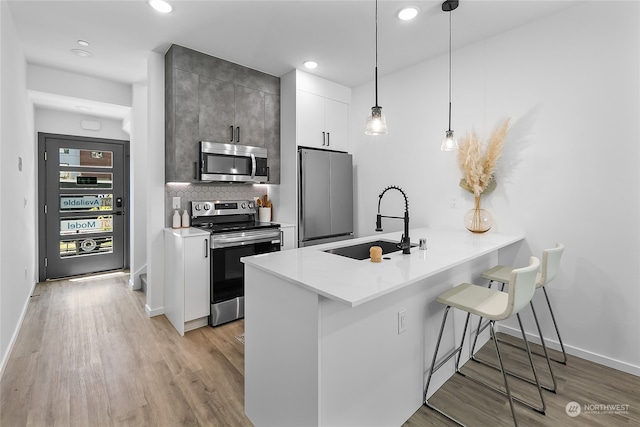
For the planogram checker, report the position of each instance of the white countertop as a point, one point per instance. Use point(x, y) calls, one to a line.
point(354, 282)
point(187, 232)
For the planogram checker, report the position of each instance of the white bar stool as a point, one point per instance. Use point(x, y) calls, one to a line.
point(548, 271)
point(493, 305)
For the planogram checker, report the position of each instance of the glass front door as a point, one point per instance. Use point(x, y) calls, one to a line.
point(84, 206)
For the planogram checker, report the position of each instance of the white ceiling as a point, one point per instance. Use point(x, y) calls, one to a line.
point(271, 36)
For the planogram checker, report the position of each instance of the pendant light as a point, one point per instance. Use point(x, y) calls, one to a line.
point(450, 143)
point(376, 123)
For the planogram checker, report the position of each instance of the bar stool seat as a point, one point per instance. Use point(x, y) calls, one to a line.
point(476, 300)
point(493, 305)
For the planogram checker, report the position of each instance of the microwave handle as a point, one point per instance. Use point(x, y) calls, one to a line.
point(253, 166)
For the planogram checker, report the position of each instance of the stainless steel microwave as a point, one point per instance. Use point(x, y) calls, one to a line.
point(233, 163)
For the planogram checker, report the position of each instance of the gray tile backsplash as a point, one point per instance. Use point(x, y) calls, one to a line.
point(191, 192)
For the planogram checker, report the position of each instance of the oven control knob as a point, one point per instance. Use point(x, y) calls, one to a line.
point(251, 205)
point(196, 207)
point(207, 206)
point(243, 206)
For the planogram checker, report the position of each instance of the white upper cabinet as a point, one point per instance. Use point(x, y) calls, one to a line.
point(322, 122)
point(310, 119)
point(336, 120)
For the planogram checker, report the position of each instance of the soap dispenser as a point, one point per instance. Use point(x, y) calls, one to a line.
point(176, 219)
point(185, 219)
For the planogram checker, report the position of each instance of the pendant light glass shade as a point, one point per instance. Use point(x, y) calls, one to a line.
point(376, 123)
point(450, 143)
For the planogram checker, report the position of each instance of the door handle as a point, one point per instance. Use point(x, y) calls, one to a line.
point(238, 134)
point(231, 133)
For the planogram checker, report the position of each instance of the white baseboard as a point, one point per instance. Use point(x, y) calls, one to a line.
point(14, 336)
point(574, 351)
point(153, 312)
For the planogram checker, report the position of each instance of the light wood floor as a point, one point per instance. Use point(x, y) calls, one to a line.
point(88, 355)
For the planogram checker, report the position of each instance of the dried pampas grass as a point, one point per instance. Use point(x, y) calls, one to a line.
point(478, 161)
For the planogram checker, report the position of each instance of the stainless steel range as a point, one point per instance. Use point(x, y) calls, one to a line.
point(235, 233)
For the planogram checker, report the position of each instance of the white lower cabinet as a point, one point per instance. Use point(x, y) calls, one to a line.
point(186, 286)
point(288, 237)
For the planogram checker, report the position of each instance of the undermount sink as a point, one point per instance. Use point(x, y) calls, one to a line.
point(361, 251)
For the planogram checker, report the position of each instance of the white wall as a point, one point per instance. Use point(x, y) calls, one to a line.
point(138, 186)
point(49, 80)
point(569, 171)
point(68, 123)
point(155, 184)
point(17, 188)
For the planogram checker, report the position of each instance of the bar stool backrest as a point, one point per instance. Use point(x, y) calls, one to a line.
point(550, 264)
point(522, 285)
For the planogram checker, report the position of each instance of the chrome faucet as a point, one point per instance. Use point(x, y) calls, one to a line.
point(405, 242)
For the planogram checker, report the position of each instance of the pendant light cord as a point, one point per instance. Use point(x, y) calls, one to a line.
point(449, 70)
point(376, 69)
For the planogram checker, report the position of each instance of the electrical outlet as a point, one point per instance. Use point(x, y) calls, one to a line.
point(402, 321)
point(176, 203)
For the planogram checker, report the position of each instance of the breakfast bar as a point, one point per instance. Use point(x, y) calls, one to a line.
point(335, 341)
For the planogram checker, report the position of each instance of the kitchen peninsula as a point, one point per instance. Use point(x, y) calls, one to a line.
point(334, 341)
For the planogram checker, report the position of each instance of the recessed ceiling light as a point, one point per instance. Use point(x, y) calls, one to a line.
point(310, 64)
point(161, 6)
point(408, 13)
point(82, 53)
point(83, 43)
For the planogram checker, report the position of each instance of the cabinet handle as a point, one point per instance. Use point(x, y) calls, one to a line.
point(328, 140)
point(268, 175)
point(206, 248)
point(323, 138)
point(231, 133)
point(238, 134)
point(281, 239)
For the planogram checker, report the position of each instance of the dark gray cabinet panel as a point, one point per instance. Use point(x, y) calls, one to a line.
point(272, 135)
point(181, 156)
point(205, 96)
point(216, 110)
point(250, 117)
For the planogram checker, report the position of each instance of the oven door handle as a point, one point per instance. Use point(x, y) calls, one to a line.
point(225, 242)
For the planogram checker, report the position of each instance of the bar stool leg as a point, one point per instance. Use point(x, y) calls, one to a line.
point(480, 326)
point(564, 354)
point(546, 354)
point(540, 409)
point(435, 356)
point(533, 368)
point(435, 367)
point(504, 373)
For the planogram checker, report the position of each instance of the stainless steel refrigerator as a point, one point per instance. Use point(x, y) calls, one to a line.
point(325, 203)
